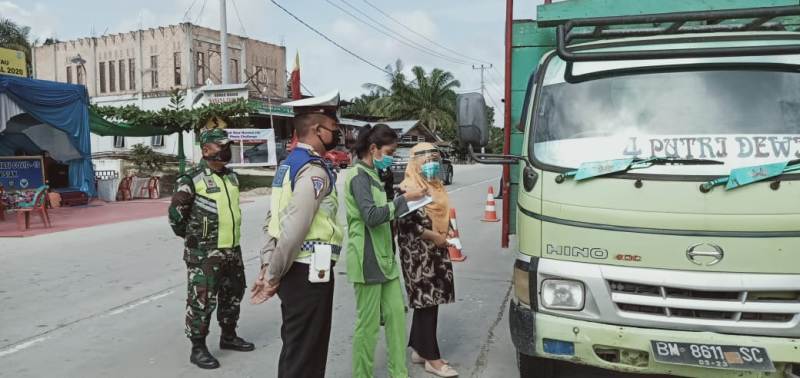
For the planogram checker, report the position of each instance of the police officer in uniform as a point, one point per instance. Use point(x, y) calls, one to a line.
point(205, 212)
point(302, 225)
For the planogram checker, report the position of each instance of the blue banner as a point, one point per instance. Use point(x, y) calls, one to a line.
point(21, 173)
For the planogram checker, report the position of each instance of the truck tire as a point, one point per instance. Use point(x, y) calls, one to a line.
point(535, 367)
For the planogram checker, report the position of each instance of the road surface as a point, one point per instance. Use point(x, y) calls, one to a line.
point(109, 301)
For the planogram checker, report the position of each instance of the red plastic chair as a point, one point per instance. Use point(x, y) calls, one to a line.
point(124, 191)
point(152, 188)
point(2, 205)
point(38, 205)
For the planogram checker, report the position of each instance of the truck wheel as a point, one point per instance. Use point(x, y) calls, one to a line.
point(535, 367)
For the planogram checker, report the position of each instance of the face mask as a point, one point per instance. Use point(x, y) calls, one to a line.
point(384, 163)
point(335, 134)
point(223, 155)
point(430, 170)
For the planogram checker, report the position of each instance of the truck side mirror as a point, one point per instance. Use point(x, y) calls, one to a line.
point(473, 129)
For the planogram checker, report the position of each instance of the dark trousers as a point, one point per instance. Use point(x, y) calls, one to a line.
point(306, 309)
point(423, 333)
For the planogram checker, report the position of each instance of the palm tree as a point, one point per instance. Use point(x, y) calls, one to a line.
point(16, 37)
point(431, 98)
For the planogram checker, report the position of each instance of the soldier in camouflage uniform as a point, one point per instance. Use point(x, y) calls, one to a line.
point(205, 212)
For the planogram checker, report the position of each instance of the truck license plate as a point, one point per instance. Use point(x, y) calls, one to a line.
point(714, 356)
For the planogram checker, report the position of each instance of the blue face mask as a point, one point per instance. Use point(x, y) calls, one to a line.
point(431, 170)
point(384, 163)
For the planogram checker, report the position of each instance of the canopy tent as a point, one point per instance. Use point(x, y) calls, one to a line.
point(104, 127)
point(38, 115)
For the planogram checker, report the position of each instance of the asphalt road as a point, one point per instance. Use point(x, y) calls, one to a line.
point(109, 301)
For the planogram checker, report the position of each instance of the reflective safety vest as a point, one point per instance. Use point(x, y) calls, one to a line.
point(215, 212)
point(324, 228)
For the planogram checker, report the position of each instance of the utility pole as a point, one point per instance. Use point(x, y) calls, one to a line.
point(223, 39)
point(483, 68)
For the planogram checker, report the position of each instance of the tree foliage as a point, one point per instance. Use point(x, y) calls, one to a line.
point(427, 96)
point(16, 37)
point(176, 117)
point(145, 160)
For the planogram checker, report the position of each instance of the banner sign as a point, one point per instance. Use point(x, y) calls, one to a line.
point(21, 173)
point(237, 135)
point(253, 147)
point(716, 147)
point(12, 62)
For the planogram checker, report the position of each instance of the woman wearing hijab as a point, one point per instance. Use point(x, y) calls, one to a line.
point(371, 265)
point(427, 269)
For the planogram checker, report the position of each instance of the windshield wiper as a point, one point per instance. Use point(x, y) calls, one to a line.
point(748, 175)
point(593, 169)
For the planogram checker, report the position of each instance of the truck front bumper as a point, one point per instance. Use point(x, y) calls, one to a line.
point(591, 340)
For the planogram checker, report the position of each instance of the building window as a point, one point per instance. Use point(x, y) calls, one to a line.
point(235, 70)
point(112, 77)
point(157, 141)
point(154, 71)
point(177, 59)
point(132, 73)
point(79, 73)
point(69, 74)
point(119, 142)
point(201, 68)
point(122, 75)
point(102, 69)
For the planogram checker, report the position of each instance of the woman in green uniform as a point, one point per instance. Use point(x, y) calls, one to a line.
point(371, 265)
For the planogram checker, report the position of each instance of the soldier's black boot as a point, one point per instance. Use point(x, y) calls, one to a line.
point(229, 340)
point(201, 356)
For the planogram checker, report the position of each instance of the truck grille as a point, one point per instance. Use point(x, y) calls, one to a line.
point(725, 306)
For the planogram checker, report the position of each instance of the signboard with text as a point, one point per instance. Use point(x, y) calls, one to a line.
point(253, 147)
point(21, 173)
point(12, 62)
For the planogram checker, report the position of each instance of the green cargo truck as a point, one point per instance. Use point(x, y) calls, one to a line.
point(651, 178)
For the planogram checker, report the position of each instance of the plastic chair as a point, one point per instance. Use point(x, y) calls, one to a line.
point(2, 205)
point(152, 188)
point(37, 205)
point(124, 191)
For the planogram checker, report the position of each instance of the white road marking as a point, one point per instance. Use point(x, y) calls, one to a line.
point(22, 346)
point(475, 184)
point(140, 302)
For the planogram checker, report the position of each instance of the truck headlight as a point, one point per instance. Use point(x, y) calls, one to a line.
point(563, 295)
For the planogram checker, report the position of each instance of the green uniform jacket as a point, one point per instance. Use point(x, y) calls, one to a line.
point(205, 211)
point(370, 256)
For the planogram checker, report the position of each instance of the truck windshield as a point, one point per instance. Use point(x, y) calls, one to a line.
point(740, 117)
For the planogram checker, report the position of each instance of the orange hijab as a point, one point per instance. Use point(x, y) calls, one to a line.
point(439, 209)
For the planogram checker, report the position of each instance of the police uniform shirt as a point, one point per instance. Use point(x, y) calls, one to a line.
point(281, 253)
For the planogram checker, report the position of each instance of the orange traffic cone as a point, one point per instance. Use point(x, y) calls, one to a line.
point(455, 252)
point(490, 215)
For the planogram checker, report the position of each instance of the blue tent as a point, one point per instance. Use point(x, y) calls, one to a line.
point(56, 118)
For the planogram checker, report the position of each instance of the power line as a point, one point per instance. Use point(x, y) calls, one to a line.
point(420, 34)
point(377, 26)
point(203, 8)
point(236, 9)
point(321, 34)
point(186, 14)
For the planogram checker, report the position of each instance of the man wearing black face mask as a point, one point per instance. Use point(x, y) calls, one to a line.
point(205, 212)
point(304, 240)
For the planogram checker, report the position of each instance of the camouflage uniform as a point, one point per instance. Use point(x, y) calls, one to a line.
point(215, 275)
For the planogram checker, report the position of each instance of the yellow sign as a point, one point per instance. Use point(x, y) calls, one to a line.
point(216, 123)
point(12, 62)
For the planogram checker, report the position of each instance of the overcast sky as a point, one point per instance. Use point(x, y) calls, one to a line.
point(471, 30)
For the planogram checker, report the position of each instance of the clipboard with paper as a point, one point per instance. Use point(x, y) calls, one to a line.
point(416, 205)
